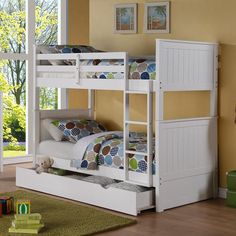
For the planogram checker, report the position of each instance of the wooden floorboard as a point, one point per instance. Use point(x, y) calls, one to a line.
point(207, 218)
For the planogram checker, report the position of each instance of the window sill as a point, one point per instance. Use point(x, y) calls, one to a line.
point(17, 160)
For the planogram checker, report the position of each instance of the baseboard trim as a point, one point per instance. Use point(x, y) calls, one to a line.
point(222, 193)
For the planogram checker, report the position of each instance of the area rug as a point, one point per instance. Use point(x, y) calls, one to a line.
point(62, 218)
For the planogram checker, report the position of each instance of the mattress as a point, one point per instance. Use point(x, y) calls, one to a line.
point(103, 149)
point(139, 69)
point(52, 148)
point(143, 68)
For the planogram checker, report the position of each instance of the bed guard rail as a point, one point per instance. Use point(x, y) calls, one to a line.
point(83, 63)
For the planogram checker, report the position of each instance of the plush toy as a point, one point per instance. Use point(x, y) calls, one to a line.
point(44, 164)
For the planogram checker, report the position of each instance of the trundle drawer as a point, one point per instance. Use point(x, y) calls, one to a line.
point(111, 198)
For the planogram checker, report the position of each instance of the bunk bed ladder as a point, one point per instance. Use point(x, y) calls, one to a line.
point(127, 122)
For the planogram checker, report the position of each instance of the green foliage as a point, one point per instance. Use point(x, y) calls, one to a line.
point(13, 37)
point(48, 98)
point(13, 147)
point(13, 153)
point(12, 28)
point(46, 21)
point(4, 87)
point(13, 120)
point(12, 73)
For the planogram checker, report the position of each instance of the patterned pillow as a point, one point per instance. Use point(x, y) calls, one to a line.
point(74, 130)
point(74, 49)
point(48, 49)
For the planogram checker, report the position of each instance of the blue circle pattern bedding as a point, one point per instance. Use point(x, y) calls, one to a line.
point(144, 69)
point(139, 68)
point(107, 150)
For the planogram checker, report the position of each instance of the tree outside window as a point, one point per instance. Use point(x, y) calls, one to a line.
point(13, 72)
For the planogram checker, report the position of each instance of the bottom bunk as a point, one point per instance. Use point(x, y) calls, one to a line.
point(111, 194)
point(185, 170)
point(63, 156)
point(84, 145)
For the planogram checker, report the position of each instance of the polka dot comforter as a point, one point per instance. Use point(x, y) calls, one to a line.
point(139, 69)
point(107, 150)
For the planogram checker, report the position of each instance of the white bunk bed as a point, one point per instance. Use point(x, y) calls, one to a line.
point(185, 149)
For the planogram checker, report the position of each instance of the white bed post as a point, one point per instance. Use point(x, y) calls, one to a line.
point(150, 133)
point(77, 69)
point(36, 120)
point(214, 113)
point(126, 117)
point(175, 60)
point(158, 119)
point(91, 107)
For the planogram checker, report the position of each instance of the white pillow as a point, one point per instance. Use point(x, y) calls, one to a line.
point(56, 134)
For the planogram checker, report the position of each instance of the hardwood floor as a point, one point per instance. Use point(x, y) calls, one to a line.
point(207, 218)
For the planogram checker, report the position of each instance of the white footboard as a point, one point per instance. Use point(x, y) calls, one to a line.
point(187, 162)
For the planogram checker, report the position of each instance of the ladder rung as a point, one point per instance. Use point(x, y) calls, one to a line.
point(132, 122)
point(136, 153)
point(136, 92)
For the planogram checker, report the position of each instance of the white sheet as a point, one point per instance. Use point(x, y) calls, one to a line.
point(67, 150)
point(52, 148)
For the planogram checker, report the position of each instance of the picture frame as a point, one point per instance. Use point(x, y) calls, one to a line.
point(156, 17)
point(125, 18)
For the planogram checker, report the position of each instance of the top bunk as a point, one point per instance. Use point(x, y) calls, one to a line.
point(176, 66)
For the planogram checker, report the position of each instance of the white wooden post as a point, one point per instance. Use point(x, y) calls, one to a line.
point(149, 133)
point(36, 120)
point(91, 107)
point(214, 113)
point(30, 40)
point(126, 117)
point(158, 119)
point(62, 39)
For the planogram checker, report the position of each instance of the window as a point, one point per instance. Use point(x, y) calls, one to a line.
point(46, 33)
point(22, 24)
point(12, 26)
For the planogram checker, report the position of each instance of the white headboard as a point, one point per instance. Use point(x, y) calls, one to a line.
point(59, 114)
point(185, 65)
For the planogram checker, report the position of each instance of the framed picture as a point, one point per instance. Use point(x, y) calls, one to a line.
point(156, 17)
point(125, 21)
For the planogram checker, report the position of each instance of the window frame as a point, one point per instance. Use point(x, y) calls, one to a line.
point(29, 58)
point(62, 39)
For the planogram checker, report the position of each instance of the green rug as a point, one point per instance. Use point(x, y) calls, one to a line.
point(63, 218)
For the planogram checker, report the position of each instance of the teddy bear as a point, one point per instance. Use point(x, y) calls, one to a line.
point(44, 164)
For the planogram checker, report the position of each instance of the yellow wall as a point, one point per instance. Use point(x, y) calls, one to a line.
point(201, 20)
point(78, 33)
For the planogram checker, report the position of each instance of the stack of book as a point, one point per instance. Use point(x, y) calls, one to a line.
point(28, 224)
